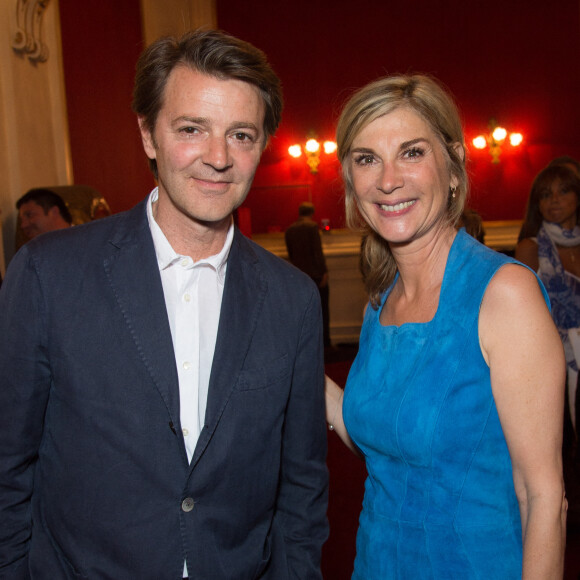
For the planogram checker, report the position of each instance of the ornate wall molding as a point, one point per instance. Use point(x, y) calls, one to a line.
point(28, 36)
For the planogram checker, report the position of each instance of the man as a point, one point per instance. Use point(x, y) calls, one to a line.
point(40, 211)
point(174, 425)
point(305, 252)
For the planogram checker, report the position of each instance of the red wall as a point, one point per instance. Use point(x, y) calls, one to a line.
point(515, 60)
point(101, 43)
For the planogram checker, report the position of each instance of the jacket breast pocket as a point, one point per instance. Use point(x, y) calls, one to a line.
point(265, 376)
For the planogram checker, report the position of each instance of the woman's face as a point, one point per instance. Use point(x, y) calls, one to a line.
point(400, 176)
point(559, 205)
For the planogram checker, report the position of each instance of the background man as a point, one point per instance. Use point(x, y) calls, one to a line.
point(40, 211)
point(175, 425)
point(305, 252)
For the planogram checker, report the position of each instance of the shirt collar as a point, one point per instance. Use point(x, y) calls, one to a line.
point(166, 255)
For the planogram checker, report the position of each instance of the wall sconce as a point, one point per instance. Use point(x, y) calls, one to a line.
point(495, 139)
point(312, 149)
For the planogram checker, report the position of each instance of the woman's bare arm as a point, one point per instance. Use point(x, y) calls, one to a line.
point(334, 397)
point(523, 349)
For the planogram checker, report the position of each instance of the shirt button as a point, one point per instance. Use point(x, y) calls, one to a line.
point(187, 504)
point(187, 297)
point(184, 262)
point(185, 432)
point(186, 365)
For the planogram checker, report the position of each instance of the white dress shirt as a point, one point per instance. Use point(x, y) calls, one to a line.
point(193, 296)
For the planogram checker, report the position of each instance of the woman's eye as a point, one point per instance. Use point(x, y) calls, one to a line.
point(414, 152)
point(365, 159)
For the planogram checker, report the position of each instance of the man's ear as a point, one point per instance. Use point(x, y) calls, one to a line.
point(53, 212)
point(147, 139)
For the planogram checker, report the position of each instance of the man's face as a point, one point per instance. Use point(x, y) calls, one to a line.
point(34, 221)
point(207, 143)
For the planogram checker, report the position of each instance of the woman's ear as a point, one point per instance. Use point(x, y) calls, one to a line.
point(458, 148)
point(460, 151)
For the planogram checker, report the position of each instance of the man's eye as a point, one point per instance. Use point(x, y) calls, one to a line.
point(242, 137)
point(189, 130)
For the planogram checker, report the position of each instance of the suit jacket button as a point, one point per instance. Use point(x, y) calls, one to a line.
point(187, 504)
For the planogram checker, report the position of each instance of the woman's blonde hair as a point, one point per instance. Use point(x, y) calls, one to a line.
point(432, 102)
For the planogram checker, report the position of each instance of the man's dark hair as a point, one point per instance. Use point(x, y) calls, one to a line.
point(209, 52)
point(46, 199)
point(306, 209)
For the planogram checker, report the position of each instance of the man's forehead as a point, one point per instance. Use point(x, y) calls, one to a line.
point(189, 84)
point(31, 206)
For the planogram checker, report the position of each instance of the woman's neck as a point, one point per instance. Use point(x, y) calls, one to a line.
point(421, 264)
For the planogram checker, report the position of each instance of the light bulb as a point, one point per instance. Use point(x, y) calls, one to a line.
point(516, 139)
point(499, 134)
point(329, 147)
point(312, 146)
point(295, 150)
point(479, 142)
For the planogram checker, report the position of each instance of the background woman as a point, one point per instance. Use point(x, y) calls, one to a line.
point(455, 397)
point(549, 243)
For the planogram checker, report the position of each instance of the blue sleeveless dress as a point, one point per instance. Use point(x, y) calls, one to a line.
point(439, 499)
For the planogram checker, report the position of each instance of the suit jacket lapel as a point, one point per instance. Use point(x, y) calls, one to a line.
point(134, 276)
point(244, 293)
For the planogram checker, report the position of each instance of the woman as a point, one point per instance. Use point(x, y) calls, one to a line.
point(549, 243)
point(455, 398)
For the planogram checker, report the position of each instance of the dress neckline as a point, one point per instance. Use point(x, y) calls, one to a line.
point(450, 258)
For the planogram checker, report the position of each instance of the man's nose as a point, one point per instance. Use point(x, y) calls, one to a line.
point(217, 153)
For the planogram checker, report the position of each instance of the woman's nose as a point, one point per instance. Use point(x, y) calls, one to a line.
point(390, 179)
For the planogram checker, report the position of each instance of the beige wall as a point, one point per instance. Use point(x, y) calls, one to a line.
point(34, 144)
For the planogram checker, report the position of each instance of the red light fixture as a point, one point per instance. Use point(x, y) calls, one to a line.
point(312, 150)
point(495, 139)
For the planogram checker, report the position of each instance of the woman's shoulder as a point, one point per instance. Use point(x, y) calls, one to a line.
point(512, 292)
point(472, 263)
point(513, 280)
point(514, 297)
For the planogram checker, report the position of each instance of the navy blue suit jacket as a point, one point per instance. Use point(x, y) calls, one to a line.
point(93, 468)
